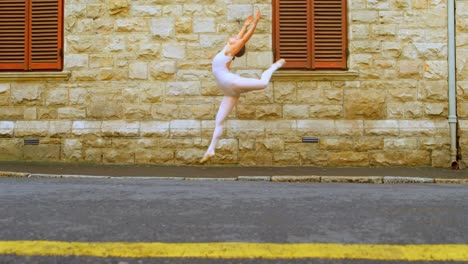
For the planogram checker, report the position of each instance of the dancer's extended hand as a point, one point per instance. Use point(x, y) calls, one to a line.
point(248, 20)
point(258, 15)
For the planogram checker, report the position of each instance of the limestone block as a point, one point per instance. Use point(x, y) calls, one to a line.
point(295, 111)
point(4, 87)
point(104, 25)
point(86, 127)
point(213, 41)
point(359, 31)
point(431, 51)
point(413, 35)
point(349, 127)
point(284, 92)
point(381, 128)
point(391, 49)
point(314, 158)
point(348, 158)
point(164, 111)
point(75, 61)
point(183, 88)
point(204, 25)
point(309, 96)
point(145, 10)
point(183, 25)
point(416, 127)
point(117, 156)
point(400, 143)
point(59, 128)
point(189, 156)
point(193, 111)
point(364, 17)
point(11, 113)
point(31, 128)
point(72, 150)
point(185, 128)
point(367, 104)
point(131, 25)
point(75, 10)
point(246, 111)
point(154, 128)
point(381, 31)
point(435, 70)
point(161, 70)
point(363, 144)
point(117, 6)
point(101, 61)
point(261, 60)
point(46, 152)
point(410, 68)
point(7, 128)
point(274, 144)
point(237, 12)
point(441, 158)
point(402, 94)
point(390, 17)
point(345, 144)
point(57, 96)
point(244, 129)
point(286, 158)
point(365, 46)
point(93, 155)
point(316, 128)
point(326, 111)
point(26, 93)
point(112, 75)
point(47, 113)
point(137, 112)
point(119, 128)
point(10, 149)
point(400, 158)
point(155, 156)
point(163, 26)
point(138, 70)
point(268, 112)
point(436, 110)
point(71, 113)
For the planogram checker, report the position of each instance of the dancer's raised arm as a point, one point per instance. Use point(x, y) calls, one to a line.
point(249, 33)
point(244, 27)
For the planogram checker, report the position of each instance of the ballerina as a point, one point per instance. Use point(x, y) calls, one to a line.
point(233, 85)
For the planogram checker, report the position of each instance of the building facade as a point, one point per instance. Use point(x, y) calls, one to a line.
point(136, 88)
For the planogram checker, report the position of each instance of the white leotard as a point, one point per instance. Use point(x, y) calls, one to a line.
point(224, 78)
point(232, 84)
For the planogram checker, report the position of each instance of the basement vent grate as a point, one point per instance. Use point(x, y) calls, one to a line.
point(310, 140)
point(31, 141)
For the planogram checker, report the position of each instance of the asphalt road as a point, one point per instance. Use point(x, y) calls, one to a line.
point(152, 210)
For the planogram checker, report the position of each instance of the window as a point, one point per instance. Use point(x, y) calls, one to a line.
point(31, 35)
point(310, 34)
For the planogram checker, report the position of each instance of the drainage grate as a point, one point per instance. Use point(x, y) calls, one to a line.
point(31, 141)
point(310, 140)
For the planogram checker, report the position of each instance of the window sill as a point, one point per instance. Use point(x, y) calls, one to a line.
point(33, 76)
point(286, 75)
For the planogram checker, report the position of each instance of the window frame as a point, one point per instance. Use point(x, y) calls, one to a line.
point(310, 63)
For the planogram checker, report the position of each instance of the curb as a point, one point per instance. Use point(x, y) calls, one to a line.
point(290, 179)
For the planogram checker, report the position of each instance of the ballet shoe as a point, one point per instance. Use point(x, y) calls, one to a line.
point(206, 157)
point(281, 62)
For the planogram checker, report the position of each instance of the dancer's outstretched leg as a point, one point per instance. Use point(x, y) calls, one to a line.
point(243, 85)
point(225, 108)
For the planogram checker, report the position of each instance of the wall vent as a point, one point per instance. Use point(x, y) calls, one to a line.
point(31, 141)
point(310, 140)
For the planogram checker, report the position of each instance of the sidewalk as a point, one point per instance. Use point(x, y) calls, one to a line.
point(310, 174)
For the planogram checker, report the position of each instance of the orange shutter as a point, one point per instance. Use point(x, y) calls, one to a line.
point(13, 49)
point(310, 34)
point(329, 34)
point(291, 32)
point(46, 34)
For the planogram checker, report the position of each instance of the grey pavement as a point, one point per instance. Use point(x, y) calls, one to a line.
point(224, 171)
point(125, 209)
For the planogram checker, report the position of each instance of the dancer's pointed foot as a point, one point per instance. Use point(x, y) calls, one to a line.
point(207, 157)
point(280, 62)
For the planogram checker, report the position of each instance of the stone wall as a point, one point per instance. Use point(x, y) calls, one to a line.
point(462, 77)
point(141, 90)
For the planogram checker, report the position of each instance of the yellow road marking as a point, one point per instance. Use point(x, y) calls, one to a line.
point(229, 250)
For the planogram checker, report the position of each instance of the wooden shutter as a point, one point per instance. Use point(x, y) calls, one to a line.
point(13, 49)
point(292, 32)
point(46, 34)
point(329, 34)
point(310, 34)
